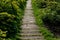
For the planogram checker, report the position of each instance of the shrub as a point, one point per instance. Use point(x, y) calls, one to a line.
point(52, 19)
point(8, 23)
point(47, 17)
point(41, 4)
point(10, 17)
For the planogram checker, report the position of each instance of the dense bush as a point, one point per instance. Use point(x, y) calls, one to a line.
point(10, 17)
point(52, 18)
point(57, 0)
point(42, 4)
point(22, 3)
point(51, 14)
point(52, 21)
point(8, 23)
point(47, 13)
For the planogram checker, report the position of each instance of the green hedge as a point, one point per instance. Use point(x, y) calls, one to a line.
point(8, 23)
point(47, 11)
point(11, 12)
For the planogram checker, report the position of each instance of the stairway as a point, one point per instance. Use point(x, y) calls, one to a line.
point(30, 31)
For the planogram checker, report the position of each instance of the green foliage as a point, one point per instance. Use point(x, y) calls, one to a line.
point(52, 18)
point(22, 3)
point(57, 0)
point(47, 11)
point(42, 4)
point(50, 13)
point(3, 33)
point(11, 12)
point(8, 23)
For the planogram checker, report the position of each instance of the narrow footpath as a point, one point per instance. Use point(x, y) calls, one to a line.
point(30, 31)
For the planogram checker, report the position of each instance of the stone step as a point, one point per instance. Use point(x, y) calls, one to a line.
point(37, 31)
point(30, 30)
point(29, 33)
point(27, 26)
point(37, 34)
point(31, 38)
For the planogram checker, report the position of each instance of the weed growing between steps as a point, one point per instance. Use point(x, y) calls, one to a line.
point(41, 9)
